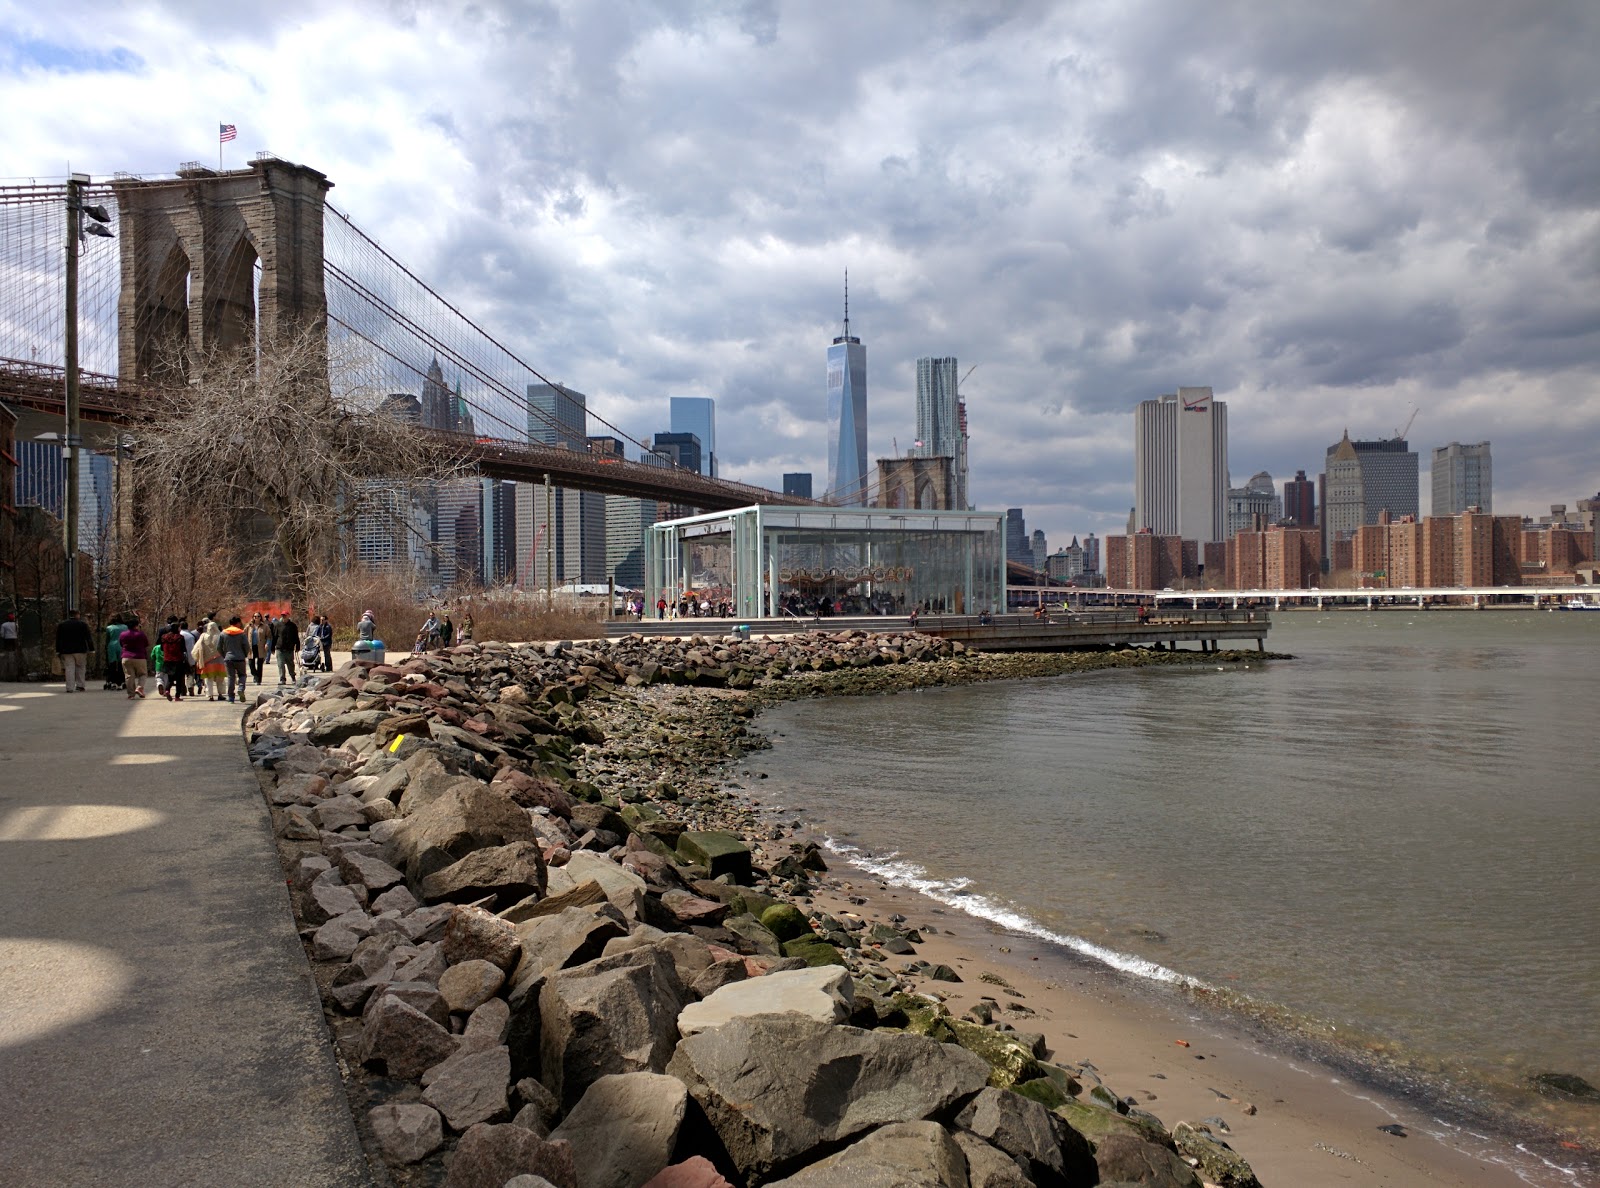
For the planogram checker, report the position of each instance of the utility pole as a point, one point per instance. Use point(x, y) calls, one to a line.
point(549, 546)
point(69, 446)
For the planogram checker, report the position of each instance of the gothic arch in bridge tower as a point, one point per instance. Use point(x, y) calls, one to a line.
point(208, 256)
point(167, 311)
point(922, 483)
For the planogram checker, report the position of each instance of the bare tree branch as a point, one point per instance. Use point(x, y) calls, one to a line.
point(284, 461)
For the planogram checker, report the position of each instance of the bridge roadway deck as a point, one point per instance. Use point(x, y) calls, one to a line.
point(39, 388)
point(158, 1019)
point(1002, 633)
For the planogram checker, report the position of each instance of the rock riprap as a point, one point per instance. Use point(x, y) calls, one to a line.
point(554, 951)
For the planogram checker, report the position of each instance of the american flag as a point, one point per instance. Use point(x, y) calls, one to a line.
point(227, 132)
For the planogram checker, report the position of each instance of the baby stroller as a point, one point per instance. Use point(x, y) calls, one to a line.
point(311, 655)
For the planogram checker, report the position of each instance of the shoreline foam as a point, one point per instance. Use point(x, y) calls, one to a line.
point(1486, 1135)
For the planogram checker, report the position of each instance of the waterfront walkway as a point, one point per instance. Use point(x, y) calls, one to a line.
point(158, 1022)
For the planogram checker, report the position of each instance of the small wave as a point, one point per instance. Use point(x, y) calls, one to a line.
point(954, 893)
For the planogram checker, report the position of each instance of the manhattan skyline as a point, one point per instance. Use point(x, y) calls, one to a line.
point(1333, 218)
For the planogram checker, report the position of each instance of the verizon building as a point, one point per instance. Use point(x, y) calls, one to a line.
point(1180, 466)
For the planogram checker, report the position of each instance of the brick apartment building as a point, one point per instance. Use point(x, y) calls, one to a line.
point(1147, 561)
point(1469, 549)
point(1277, 558)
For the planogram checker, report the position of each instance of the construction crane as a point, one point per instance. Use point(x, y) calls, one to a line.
point(963, 379)
point(1399, 434)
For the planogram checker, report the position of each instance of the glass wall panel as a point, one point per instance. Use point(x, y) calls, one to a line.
point(782, 560)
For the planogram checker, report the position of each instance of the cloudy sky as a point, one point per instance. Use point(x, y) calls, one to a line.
point(1336, 215)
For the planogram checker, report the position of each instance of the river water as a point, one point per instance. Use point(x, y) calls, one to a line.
point(1392, 841)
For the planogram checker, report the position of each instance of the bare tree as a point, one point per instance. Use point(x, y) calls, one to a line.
point(282, 459)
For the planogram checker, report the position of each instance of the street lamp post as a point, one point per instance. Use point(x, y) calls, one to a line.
point(69, 447)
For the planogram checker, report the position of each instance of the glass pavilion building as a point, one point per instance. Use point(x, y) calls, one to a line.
point(769, 561)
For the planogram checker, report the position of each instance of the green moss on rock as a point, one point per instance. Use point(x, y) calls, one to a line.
point(1096, 1123)
point(813, 952)
point(1011, 1062)
point(719, 853)
point(786, 922)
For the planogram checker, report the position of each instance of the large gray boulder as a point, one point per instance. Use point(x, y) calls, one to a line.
point(989, 1167)
point(1126, 1158)
point(330, 732)
point(571, 937)
point(338, 938)
point(1049, 1151)
point(489, 1155)
point(427, 779)
point(508, 873)
point(401, 1041)
point(548, 943)
point(372, 873)
point(327, 898)
point(487, 1026)
point(473, 934)
point(825, 994)
point(471, 984)
point(466, 817)
point(339, 812)
point(612, 1015)
point(900, 1155)
point(406, 1133)
point(775, 1087)
point(470, 1087)
point(624, 1128)
point(622, 887)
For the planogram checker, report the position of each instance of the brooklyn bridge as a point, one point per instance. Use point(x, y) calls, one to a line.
point(207, 259)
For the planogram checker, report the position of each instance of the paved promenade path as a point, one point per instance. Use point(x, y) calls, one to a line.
point(158, 1022)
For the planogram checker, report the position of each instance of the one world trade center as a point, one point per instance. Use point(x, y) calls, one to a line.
point(847, 416)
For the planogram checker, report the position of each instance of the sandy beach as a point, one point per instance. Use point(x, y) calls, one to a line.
point(1295, 1121)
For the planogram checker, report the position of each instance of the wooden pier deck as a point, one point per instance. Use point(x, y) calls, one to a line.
point(1060, 631)
point(1171, 627)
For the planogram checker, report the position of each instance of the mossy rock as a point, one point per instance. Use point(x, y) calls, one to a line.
point(1219, 1163)
point(719, 853)
point(924, 1018)
point(813, 952)
point(638, 815)
point(785, 921)
point(656, 846)
point(1044, 1091)
point(1095, 1123)
point(1011, 1063)
point(754, 902)
point(748, 929)
point(1061, 1079)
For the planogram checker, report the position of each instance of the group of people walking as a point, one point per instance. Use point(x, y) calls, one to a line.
point(217, 656)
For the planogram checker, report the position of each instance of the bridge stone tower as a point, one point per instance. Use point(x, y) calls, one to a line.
point(926, 483)
point(191, 249)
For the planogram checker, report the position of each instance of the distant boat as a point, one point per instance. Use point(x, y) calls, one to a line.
point(1580, 604)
